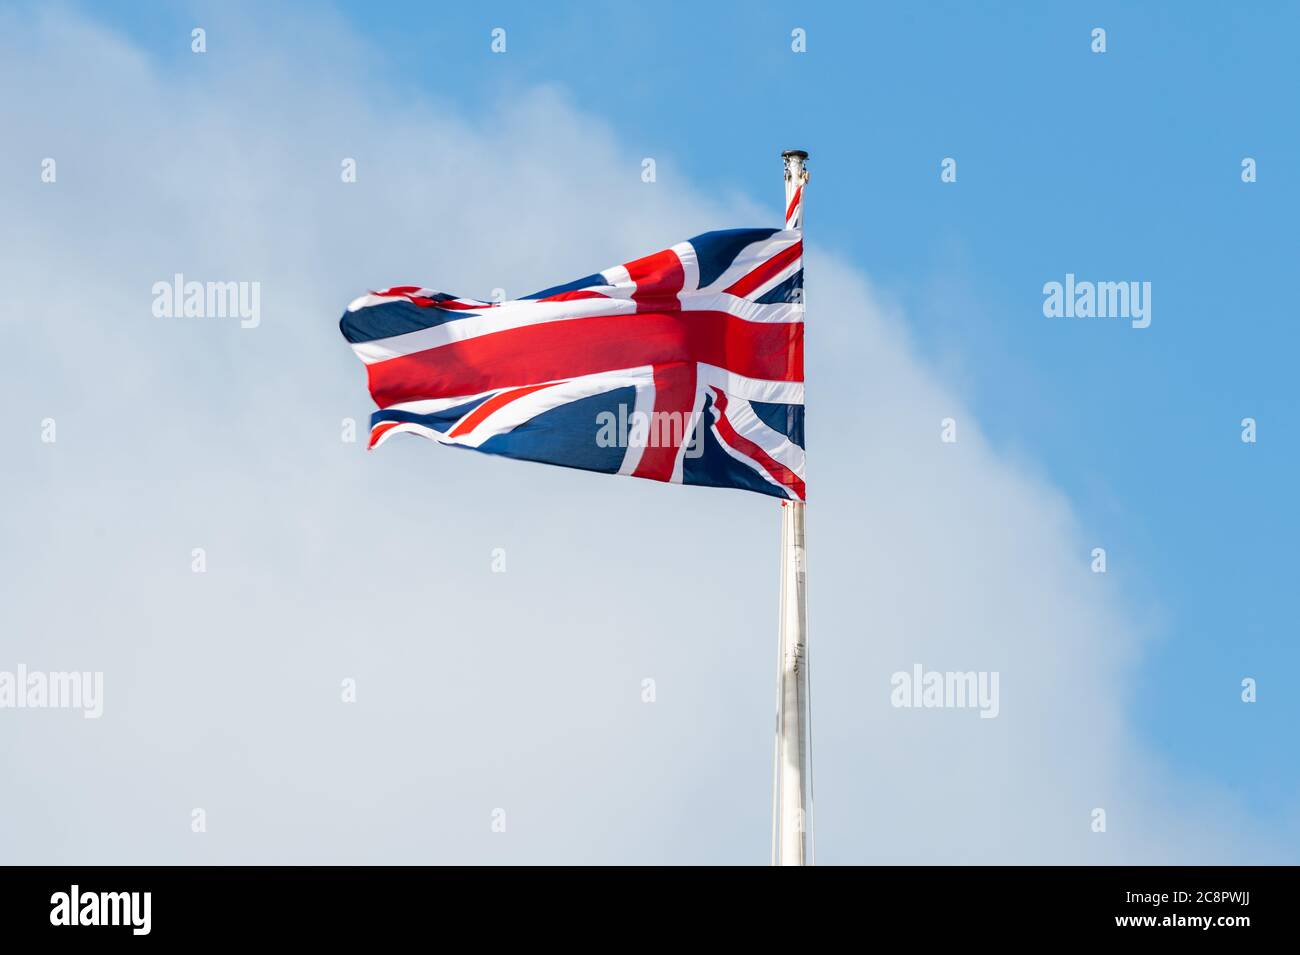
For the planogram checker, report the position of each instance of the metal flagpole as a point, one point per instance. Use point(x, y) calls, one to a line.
point(793, 775)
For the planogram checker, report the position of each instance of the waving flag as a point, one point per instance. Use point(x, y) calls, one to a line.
point(684, 366)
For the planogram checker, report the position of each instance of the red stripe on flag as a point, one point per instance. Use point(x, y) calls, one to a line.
point(379, 430)
point(767, 271)
point(782, 474)
point(586, 346)
point(670, 420)
point(658, 279)
point(572, 296)
point(472, 420)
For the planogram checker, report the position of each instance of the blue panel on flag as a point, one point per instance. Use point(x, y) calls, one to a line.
point(585, 282)
point(567, 435)
point(783, 419)
point(394, 318)
point(715, 251)
point(791, 290)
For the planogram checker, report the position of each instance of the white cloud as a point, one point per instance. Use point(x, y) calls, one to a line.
point(480, 690)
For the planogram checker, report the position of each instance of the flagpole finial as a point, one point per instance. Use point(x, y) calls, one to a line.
point(795, 170)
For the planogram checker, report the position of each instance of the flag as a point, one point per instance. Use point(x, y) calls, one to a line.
point(684, 366)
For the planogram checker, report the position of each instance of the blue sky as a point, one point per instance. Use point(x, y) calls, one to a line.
point(1119, 166)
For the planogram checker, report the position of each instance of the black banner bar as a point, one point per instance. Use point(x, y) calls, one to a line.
point(374, 904)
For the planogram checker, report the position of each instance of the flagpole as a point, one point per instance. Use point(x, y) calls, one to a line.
point(793, 775)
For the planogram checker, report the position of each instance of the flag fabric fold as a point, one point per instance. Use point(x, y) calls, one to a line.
point(684, 366)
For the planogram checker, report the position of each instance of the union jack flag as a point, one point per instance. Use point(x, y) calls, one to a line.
point(683, 366)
